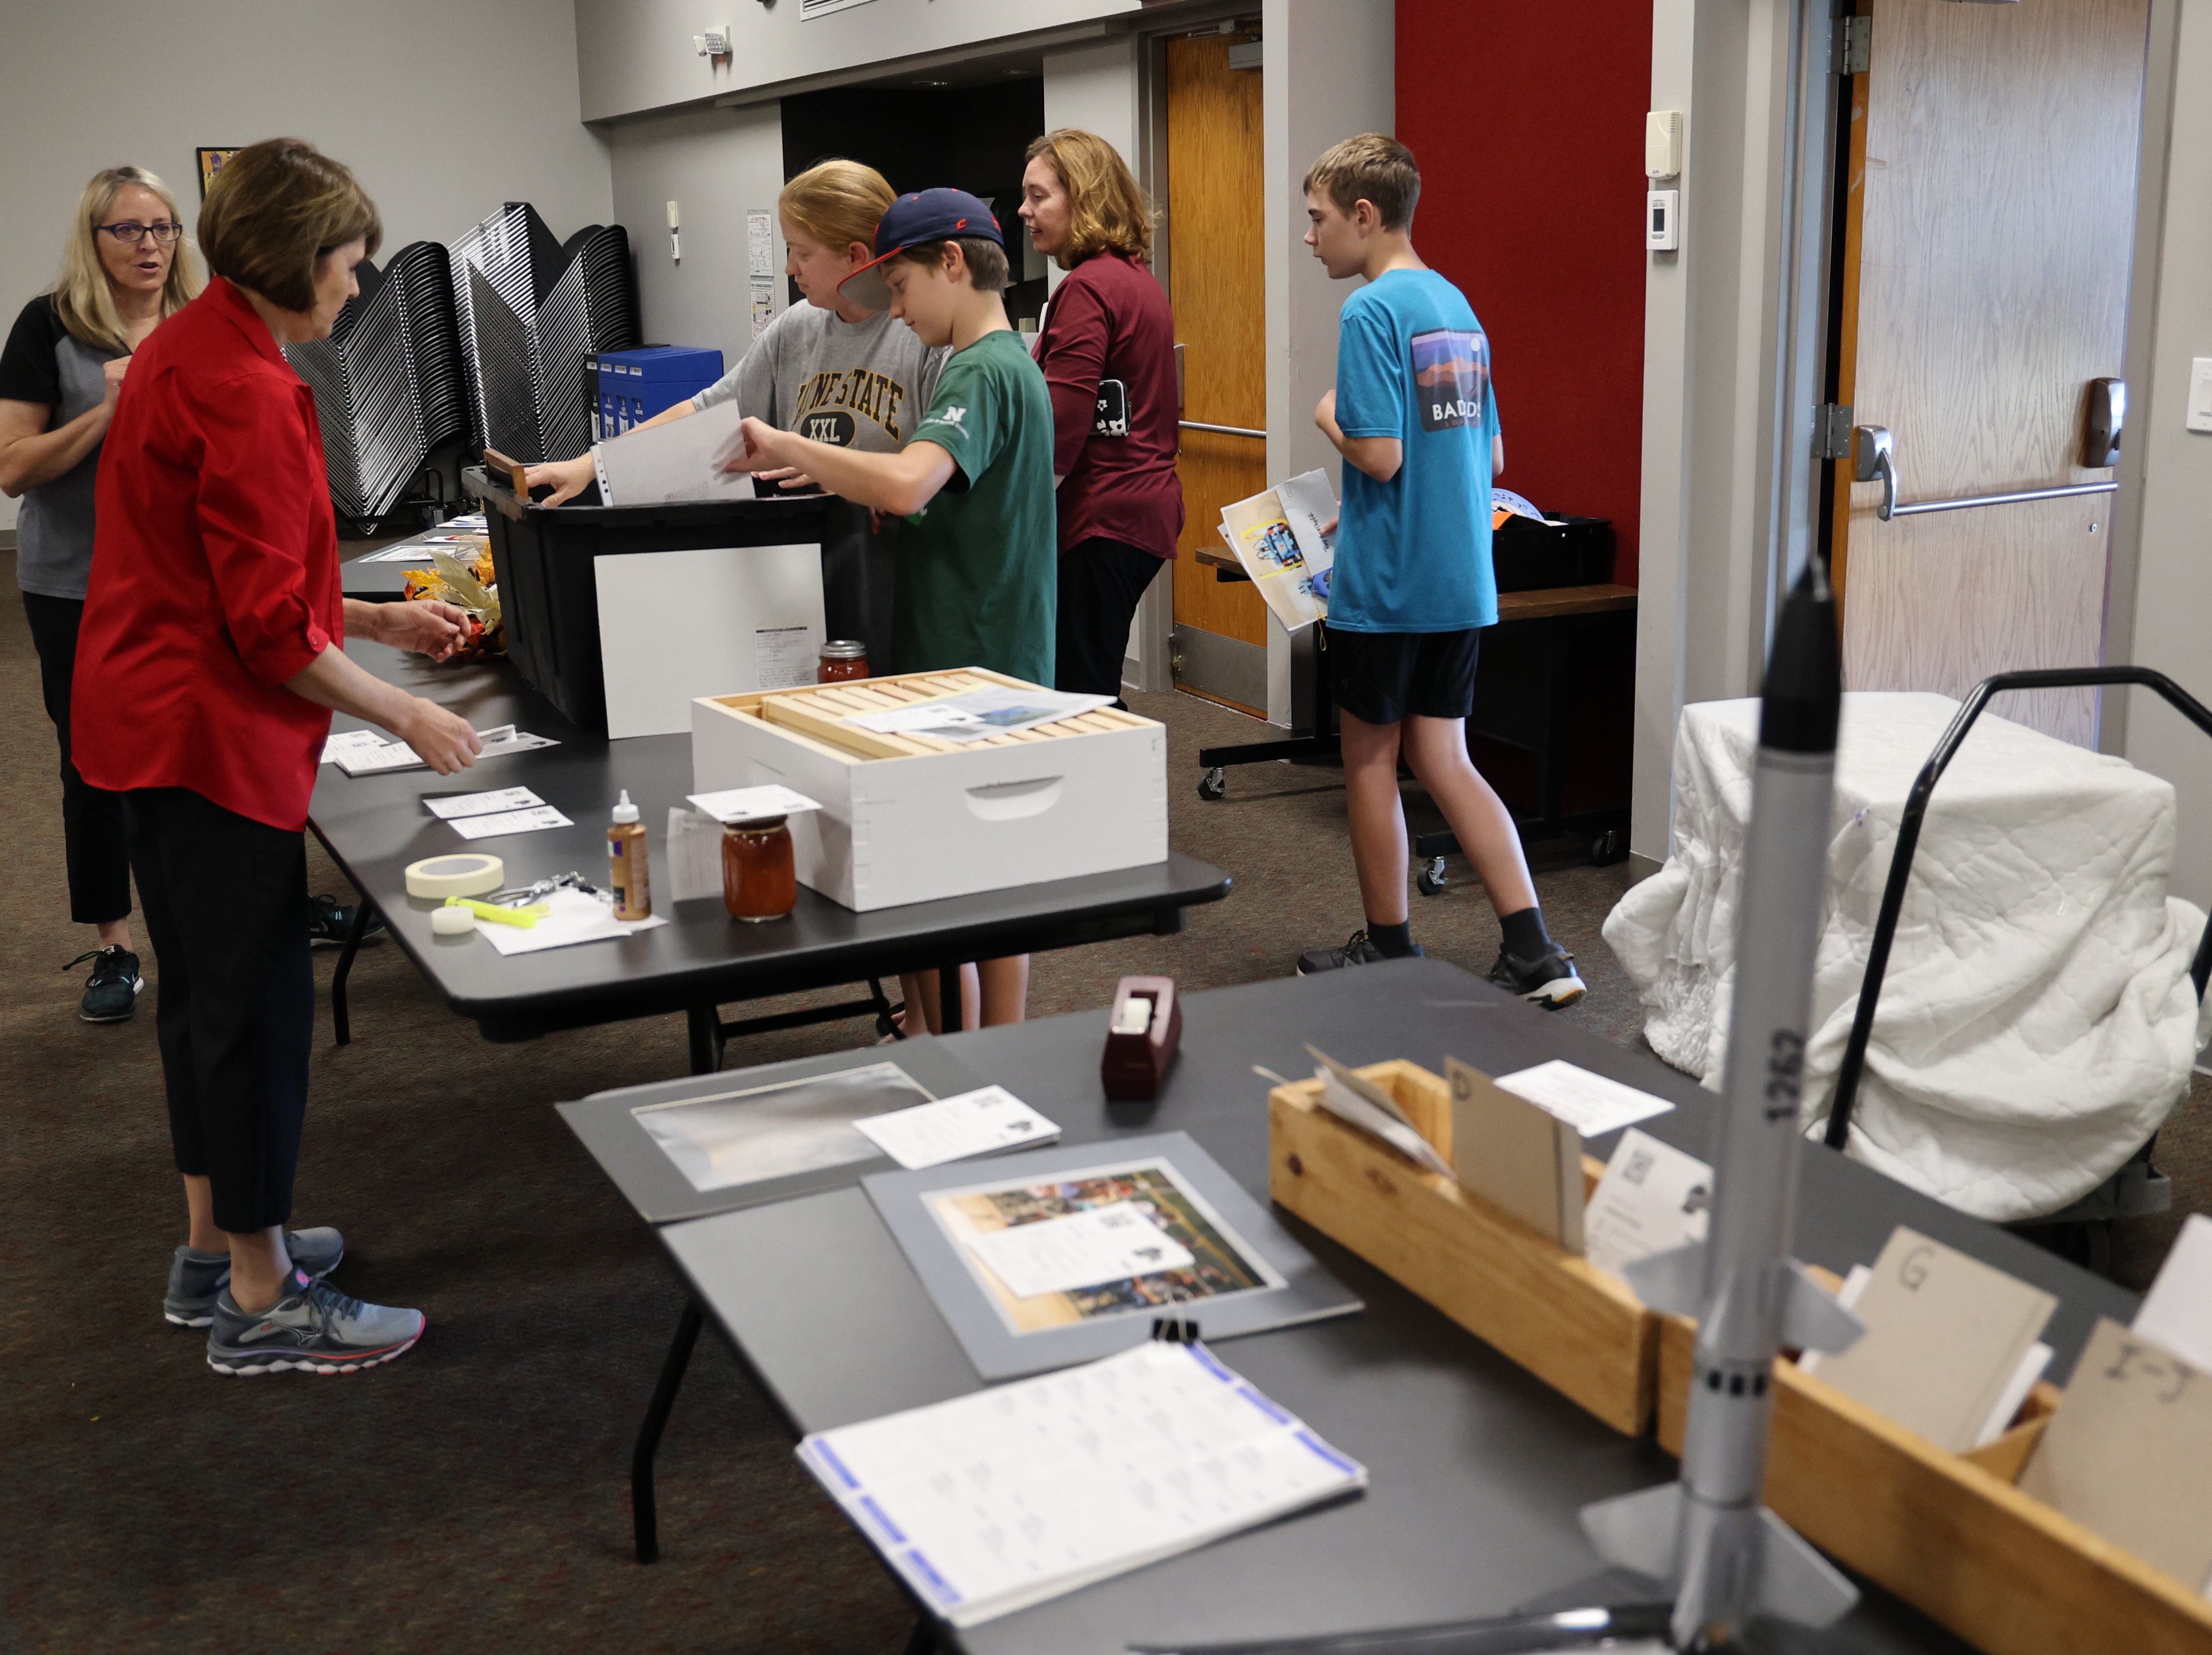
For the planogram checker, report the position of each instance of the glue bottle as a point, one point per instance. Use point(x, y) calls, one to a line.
point(629, 875)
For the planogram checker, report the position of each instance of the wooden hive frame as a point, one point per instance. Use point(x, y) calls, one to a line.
point(819, 713)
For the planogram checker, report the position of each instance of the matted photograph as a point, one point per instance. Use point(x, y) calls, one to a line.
point(1150, 1213)
point(727, 1138)
point(210, 162)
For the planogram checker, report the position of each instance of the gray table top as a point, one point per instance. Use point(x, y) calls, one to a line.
point(1477, 1468)
point(374, 826)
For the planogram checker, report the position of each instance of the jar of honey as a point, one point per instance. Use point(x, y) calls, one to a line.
point(760, 880)
point(842, 658)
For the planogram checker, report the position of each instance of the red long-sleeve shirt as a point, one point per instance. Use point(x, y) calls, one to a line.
point(1109, 320)
point(215, 573)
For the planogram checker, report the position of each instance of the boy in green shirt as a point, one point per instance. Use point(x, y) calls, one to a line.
point(978, 566)
point(978, 569)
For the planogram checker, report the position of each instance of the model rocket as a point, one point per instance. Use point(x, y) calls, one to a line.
point(1726, 1555)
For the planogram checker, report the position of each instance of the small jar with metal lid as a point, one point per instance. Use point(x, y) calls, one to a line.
point(760, 879)
point(842, 658)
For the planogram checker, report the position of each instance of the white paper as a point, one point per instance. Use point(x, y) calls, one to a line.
point(482, 804)
point(2033, 1361)
point(1591, 1104)
point(978, 1123)
point(975, 714)
point(785, 657)
point(1059, 1255)
point(760, 245)
point(2177, 1312)
point(693, 864)
point(350, 740)
point(387, 757)
point(510, 822)
point(1307, 503)
point(649, 466)
point(1019, 1493)
point(764, 305)
point(1369, 1107)
point(752, 804)
point(1652, 1198)
point(571, 916)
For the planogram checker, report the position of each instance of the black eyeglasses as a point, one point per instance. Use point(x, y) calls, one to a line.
point(134, 234)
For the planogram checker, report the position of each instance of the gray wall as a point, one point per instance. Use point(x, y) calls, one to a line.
point(2172, 610)
point(444, 110)
point(636, 55)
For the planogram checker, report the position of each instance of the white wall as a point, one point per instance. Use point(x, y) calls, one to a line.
point(717, 165)
point(2173, 611)
point(636, 55)
point(1097, 87)
point(1330, 73)
point(443, 110)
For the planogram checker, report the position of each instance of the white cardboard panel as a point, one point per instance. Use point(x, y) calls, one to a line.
point(674, 625)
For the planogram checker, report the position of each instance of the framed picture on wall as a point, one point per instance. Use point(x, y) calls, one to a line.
point(212, 163)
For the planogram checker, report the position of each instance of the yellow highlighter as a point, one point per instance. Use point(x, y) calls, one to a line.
point(524, 918)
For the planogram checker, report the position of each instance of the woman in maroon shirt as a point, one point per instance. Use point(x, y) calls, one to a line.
point(1108, 351)
point(206, 669)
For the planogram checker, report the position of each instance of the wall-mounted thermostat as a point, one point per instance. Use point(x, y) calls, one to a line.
point(1662, 214)
point(1662, 143)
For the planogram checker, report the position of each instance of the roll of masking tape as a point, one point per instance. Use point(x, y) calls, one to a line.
point(452, 922)
point(471, 874)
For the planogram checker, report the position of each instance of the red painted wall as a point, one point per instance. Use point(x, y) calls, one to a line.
point(1527, 122)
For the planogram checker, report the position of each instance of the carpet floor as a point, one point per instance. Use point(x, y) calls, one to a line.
point(473, 1497)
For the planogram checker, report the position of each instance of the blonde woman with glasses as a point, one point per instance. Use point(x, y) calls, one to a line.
point(127, 267)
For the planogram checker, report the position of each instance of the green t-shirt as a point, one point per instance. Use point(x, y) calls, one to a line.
point(978, 569)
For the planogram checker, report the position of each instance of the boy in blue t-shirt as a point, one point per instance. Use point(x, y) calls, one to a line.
point(1415, 418)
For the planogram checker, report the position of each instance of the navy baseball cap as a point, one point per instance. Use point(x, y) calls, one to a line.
point(929, 215)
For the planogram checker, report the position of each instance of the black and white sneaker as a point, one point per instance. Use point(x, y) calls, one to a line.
point(113, 994)
point(330, 922)
point(1358, 949)
point(1550, 979)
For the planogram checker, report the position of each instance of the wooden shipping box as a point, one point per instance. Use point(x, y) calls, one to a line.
point(1579, 1329)
point(1949, 1533)
point(912, 819)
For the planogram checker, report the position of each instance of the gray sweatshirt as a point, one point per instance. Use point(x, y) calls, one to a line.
point(857, 385)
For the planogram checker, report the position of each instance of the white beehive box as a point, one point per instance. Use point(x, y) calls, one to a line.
point(910, 819)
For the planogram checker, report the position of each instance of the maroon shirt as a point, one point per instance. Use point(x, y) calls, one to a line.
point(1110, 321)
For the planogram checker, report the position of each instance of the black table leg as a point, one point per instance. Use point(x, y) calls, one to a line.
point(948, 999)
point(340, 1023)
point(642, 1515)
point(705, 1027)
point(923, 1640)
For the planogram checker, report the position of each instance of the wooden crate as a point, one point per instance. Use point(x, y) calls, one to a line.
point(1949, 1533)
point(1576, 1327)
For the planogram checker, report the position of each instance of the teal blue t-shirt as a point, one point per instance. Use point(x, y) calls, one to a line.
point(1412, 554)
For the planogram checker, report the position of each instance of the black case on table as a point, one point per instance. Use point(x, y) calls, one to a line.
point(1569, 551)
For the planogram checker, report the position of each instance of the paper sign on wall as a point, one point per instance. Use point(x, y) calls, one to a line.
point(760, 245)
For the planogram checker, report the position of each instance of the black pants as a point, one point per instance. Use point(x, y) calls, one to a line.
point(92, 818)
point(234, 995)
point(1100, 584)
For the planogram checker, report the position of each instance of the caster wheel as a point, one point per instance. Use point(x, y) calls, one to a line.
point(1607, 848)
point(1213, 784)
point(1431, 879)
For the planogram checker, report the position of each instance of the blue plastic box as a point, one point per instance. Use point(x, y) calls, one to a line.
point(628, 387)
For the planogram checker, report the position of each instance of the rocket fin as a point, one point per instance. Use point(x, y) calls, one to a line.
point(1637, 1531)
point(1811, 1318)
point(1673, 1282)
point(1796, 1583)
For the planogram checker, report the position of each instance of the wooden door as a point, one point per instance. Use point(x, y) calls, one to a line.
point(1984, 282)
point(1216, 281)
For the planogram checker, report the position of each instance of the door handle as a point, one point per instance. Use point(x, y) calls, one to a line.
point(1874, 460)
point(2108, 412)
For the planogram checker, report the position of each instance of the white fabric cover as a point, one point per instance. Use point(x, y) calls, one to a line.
point(2036, 1021)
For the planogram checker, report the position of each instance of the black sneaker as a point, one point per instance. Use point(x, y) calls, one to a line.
point(330, 922)
point(113, 994)
point(1549, 979)
point(1358, 949)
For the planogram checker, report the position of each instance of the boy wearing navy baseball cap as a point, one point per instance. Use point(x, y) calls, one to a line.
point(978, 565)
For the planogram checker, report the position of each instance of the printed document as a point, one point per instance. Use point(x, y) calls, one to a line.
point(975, 714)
point(649, 466)
point(1019, 1493)
point(510, 821)
point(1652, 1199)
point(1279, 543)
point(481, 804)
point(1591, 1104)
point(978, 1123)
point(1059, 1255)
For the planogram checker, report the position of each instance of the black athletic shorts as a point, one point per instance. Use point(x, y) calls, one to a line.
point(1380, 677)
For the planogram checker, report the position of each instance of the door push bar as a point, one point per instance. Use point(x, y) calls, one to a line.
point(1225, 430)
point(1874, 452)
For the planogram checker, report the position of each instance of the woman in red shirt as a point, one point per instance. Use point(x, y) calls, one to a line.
point(1108, 351)
point(214, 602)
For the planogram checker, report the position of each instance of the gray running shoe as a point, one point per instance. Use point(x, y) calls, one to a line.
point(195, 1277)
point(1358, 949)
point(313, 1328)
